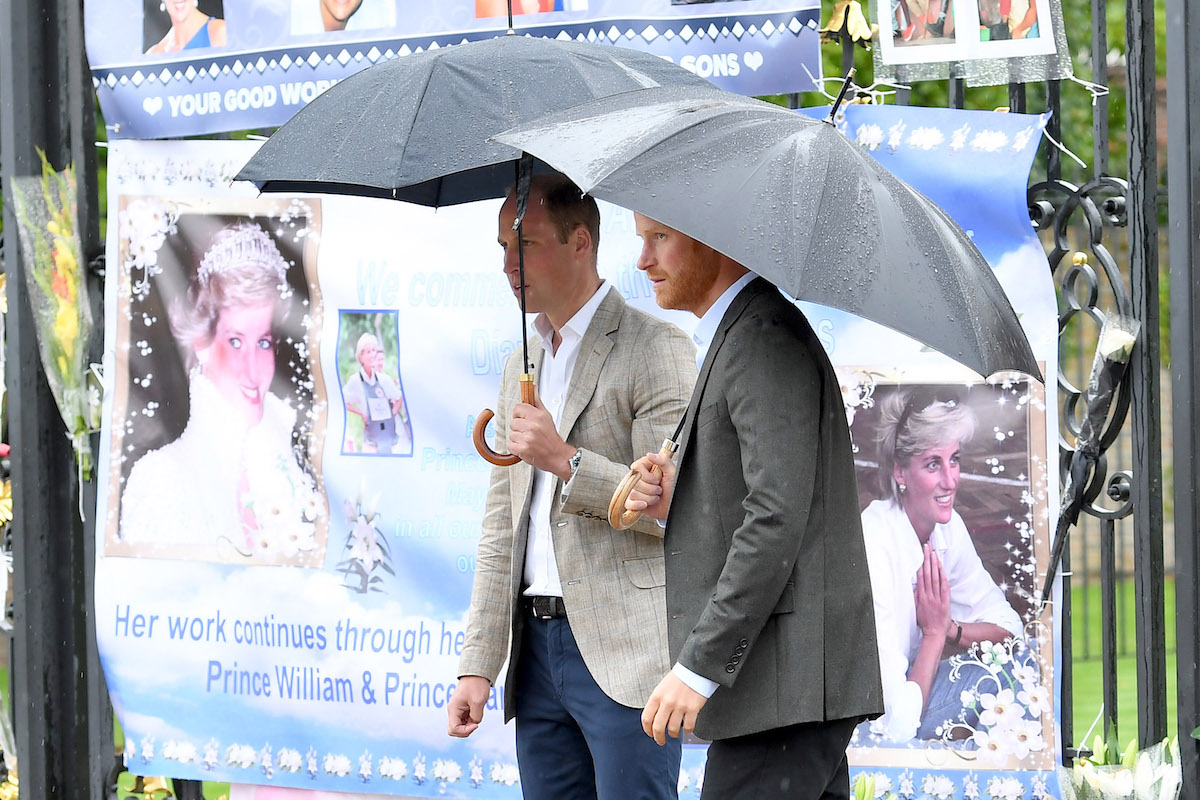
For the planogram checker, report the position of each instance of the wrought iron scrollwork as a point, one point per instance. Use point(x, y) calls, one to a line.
point(1053, 205)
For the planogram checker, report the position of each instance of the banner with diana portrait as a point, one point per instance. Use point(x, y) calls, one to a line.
point(292, 384)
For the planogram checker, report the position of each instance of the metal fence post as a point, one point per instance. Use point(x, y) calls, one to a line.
point(1183, 158)
point(62, 719)
point(1144, 367)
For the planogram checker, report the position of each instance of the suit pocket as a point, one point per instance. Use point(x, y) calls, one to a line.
point(710, 413)
point(787, 600)
point(646, 573)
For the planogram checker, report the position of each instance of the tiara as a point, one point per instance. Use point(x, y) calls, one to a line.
point(245, 243)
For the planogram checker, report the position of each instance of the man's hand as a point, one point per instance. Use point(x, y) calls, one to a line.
point(672, 708)
point(652, 494)
point(533, 436)
point(932, 596)
point(465, 707)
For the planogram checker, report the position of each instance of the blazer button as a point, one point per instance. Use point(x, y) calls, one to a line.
point(729, 668)
point(736, 659)
point(743, 643)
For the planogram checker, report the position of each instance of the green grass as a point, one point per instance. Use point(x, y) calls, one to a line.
point(1088, 671)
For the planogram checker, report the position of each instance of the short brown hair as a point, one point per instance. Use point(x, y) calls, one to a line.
point(567, 206)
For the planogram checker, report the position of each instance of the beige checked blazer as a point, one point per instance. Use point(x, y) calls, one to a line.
point(629, 390)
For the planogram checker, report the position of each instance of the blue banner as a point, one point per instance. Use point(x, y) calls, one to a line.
point(288, 524)
point(185, 67)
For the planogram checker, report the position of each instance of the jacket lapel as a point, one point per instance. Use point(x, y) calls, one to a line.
point(594, 348)
point(739, 304)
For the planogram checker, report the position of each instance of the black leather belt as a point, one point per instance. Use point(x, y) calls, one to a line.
point(544, 607)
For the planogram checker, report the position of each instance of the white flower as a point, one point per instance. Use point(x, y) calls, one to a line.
point(1005, 788)
point(968, 698)
point(1036, 699)
point(364, 538)
point(310, 763)
point(989, 141)
point(505, 774)
point(895, 136)
point(290, 760)
point(393, 769)
point(476, 770)
point(1026, 674)
point(869, 136)
point(148, 748)
point(990, 746)
point(1022, 138)
point(926, 138)
point(211, 759)
point(1023, 737)
point(336, 765)
point(685, 780)
point(906, 784)
point(993, 654)
point(364, 767)
point(266, 761)
point(1116, 344)
point(1038, 788)
point(958, 139)
point(1000, 709)
point(446, 771)
point(419, 769)
point(883, 785)
point(970, 786)
point(938, 786)
point(241, 755)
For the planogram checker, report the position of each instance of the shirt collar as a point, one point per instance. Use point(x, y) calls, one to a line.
point(706, 328)
point(577, 325)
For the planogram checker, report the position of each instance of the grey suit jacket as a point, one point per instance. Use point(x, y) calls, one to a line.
point(767, 585)
point(628, 391)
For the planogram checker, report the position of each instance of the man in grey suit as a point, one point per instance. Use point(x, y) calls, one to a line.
point(577, 608)
point(770, 623)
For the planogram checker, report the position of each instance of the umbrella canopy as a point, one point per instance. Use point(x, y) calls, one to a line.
point(794, 200)
point(416, 128)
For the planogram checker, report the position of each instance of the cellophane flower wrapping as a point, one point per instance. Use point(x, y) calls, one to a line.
point(1151, 774)
point(50, 247)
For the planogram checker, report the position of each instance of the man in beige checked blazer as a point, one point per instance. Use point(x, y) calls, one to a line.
point(577, 608)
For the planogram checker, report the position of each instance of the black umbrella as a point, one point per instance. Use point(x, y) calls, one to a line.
point(794, 200)
point(418, 129)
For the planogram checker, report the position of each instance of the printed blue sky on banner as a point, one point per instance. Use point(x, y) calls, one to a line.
point(277, 56)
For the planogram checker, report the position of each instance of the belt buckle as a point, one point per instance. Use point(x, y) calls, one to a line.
point(543, 607)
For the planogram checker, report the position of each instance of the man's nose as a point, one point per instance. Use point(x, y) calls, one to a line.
point(643, 262)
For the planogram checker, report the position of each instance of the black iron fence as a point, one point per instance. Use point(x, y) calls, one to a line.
point(60, 706)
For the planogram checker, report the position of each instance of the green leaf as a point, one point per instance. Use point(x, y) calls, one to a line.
point(1196, 733)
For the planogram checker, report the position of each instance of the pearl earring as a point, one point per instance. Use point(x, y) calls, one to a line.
point(903, 488)
point(162, 6)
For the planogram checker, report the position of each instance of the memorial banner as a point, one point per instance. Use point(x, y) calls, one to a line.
point(175, 68)
point(290, 501)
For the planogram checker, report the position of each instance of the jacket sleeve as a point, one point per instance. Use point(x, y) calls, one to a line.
point(489, 621)
point(662, 374)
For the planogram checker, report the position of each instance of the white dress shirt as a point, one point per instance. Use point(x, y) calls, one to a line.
point(894, 554)
point(541, 570)
point(706, 329)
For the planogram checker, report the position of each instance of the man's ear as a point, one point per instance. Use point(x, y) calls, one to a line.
point(581, 238)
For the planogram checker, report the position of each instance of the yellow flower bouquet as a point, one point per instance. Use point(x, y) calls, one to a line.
point(45, 209)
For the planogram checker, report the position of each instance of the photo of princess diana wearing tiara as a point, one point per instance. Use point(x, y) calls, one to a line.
point(234, 484)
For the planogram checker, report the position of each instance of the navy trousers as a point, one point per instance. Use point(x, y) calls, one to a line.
point(574, 742)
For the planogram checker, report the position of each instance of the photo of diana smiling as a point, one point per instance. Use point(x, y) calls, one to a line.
point(218, 392)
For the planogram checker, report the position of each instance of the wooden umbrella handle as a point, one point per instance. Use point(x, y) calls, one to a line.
point(528, 395)
point(618, 516)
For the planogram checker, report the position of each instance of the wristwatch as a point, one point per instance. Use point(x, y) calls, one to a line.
point(574, 460)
